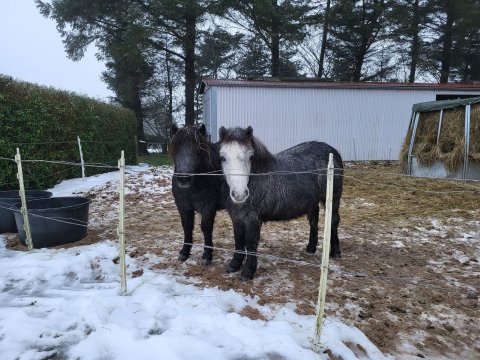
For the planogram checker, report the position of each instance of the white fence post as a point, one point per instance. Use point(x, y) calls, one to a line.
point(121, 224)
point(23, 210)
point(81, 156)
point(325, 256)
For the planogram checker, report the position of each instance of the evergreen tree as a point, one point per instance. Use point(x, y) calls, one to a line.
point(356, 30)
point(128, 74)
point(217, 53)
point(254, 59)
point(454, 28)
point(410, 22)
point(277, 24)
point(324, 46)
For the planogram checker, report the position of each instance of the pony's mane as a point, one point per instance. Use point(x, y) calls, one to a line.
point(262, 158)
point(191, 136)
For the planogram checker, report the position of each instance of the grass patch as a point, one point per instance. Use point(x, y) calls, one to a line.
point(155, 160)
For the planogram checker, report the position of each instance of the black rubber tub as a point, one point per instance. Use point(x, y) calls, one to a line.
point(55, 221)
point(8, 199)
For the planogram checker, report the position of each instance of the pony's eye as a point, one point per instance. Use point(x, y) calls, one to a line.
point(222, 158)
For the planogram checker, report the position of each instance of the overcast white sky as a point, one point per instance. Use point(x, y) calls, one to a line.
point(31, 49)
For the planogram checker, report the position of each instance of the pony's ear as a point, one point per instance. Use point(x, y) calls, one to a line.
point(174, 129)
point(249, 131)
point(222, 132)
point(203, 129)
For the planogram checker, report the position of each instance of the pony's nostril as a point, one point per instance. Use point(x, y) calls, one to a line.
point(239, 198)
point(184, 181)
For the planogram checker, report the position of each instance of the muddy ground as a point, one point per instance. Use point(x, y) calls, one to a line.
point(409, 277)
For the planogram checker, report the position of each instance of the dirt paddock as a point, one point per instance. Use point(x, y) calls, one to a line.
point(409, 277)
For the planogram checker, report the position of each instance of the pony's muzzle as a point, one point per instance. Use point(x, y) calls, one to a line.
point(184, 181)
point(239, 198)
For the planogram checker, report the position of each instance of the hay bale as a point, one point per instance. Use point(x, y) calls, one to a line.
point(451, 146)
point(404, 152)
point(424, 147)
point(474, 150)
point(450, 149)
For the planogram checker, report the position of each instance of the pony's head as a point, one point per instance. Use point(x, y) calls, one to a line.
point(190, 152)
point(240, 154)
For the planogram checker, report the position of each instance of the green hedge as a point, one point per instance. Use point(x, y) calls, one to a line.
point(44, 123)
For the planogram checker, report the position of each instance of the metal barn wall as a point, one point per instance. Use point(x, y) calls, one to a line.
point(363, 124)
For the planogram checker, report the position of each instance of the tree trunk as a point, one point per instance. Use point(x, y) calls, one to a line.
point(275, 42)
point(359, 60)
point(169, 123)
point(414, 50)
point(357, 72)
point(324, 40)
point(189, 48)
point(447, 45)
point(138, 110)
point(275, 55)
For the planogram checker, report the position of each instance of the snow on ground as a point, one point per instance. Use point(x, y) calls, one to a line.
point(72, 186)
point(65, 304)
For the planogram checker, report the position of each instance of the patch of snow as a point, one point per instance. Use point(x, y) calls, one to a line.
point(73, 186)
point(461, 257)
point(67, 302)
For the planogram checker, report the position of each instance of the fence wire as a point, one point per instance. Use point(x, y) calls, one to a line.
point(321, 171)
point(336, 270)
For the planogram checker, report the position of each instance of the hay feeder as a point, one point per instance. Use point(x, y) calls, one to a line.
point(443, 140)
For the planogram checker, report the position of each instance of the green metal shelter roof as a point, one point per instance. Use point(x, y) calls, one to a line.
point(443, 104)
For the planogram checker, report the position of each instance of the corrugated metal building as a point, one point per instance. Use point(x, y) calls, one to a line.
point(364, 121)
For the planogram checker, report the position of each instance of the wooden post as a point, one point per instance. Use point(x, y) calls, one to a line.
point(136, 150)
point(325, 256)
point(23, 210)
point(121, 224)
point(81, 156)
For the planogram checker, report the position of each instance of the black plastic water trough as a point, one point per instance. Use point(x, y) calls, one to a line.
point(8, 199)
point(55, 221)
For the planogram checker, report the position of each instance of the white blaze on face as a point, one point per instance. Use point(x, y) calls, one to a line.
point(235, 159)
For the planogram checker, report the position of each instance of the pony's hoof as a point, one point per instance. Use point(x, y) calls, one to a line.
point(206, 262)
point(336, 255)
point(246, 276)
point(182, 257)
point(233, 267)
point(311, 249)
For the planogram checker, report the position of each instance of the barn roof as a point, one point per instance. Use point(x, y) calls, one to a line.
point(443, 104)
point(317, 83)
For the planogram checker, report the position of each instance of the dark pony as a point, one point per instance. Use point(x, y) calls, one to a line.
point(290, 184)
point(193, 154)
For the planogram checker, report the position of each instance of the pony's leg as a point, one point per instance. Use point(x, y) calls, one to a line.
point(187, 217)
point(239, 234)
point(334, 242)
point(313, 220)
point(208, 219)
point(252, 236)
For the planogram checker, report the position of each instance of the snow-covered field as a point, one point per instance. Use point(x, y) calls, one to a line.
point(66, 304)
